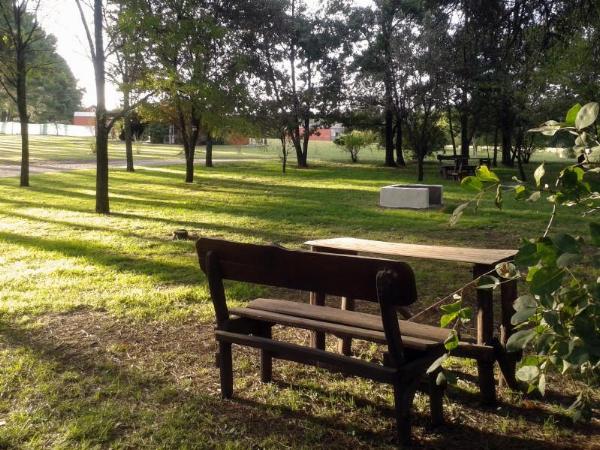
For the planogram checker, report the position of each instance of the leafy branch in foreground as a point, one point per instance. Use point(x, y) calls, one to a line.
point(558, 320)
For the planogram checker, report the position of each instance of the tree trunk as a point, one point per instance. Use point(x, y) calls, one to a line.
point(399, 155)
point(305, 139)
point(102, 202)
point(128, 134)
point(283, 152)
point(209, 150)
point(389, 138)
point(189, 166)
point(24, 119)
point(420, 172)
point(450, 125)
point(465, 140)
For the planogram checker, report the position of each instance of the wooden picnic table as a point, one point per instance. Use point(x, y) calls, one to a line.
point(486, 348)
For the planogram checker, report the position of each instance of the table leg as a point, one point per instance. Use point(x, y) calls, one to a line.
point(507, 361)
point(345, 343)
point(317, 338)
point(485, 336)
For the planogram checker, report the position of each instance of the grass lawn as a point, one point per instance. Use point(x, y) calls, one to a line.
point(106, 323)
point(77, 149)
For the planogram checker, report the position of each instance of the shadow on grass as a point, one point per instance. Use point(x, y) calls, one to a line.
point(169, 272)
point(189, 418)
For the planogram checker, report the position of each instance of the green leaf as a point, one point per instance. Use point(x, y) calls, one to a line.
point(587, 115)
point(452, 342)
point(440, 380)
point(519, 340)
point(484, 174)
point(452, 307)
point(472, 183)
point(528, 374)
point(525, 301)
point(447, 319)
point(542, 384)
point(539, 174)
point(437, 363)
point(534, 197)
point(572, 114)
point(566, 243)
point(595, 233)
point(520, 192)
point(527, 255)
point(457, 213)
point(488, 282)
point(522, 315)
point(567, 259)
point(546, 280)
point(498, 199)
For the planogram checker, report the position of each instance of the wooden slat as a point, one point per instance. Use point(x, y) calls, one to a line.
point(312, 356)
point(341, 275)
point(333, 328)
point(438, 252)
point(351, 318)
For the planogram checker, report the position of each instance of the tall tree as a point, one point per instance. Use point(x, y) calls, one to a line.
point(103, 123)
point(19, 31)
point(299, 59)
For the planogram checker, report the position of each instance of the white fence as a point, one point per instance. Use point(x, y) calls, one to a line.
point(48, 129)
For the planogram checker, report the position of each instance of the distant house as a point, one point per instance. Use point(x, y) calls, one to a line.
point(327, 134)
point(86, 118)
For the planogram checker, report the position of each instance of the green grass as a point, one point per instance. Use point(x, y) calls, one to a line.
point(106, 323)
point(53, 148)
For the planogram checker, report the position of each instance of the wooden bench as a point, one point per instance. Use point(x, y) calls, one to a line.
point(411, 347)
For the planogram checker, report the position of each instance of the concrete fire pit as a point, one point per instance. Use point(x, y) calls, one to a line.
point(412, 196)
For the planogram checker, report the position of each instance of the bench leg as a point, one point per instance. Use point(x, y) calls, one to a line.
point(345, 343)
point(436, 400)
point(485, 335)
point(266, 360)
point(226, 369)
point(404, 393)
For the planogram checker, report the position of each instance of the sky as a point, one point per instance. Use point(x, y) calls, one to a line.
point(61, 18)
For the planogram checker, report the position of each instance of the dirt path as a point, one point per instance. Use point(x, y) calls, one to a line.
point(13, 169)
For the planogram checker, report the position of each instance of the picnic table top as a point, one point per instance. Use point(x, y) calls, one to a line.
point(481, 256)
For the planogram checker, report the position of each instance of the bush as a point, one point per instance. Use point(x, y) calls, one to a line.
point(355, 141)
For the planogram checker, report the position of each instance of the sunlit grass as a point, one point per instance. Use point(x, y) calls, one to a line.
point(106, 322)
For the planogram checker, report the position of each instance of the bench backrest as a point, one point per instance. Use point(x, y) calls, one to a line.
point(340, 275)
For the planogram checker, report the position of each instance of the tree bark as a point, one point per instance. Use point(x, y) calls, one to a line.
point(102, 201)
point(209, 150)
point(420, 172)
point(450, 125)
point(399, 154)
point(389, 137)
point(24, 120)
point(127, 132)
point(465, 140)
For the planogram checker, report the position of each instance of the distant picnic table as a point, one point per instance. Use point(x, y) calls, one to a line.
point(457, 166)
point(486, 348)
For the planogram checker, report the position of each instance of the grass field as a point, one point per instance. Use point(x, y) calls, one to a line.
point(53, 148)
point(106, 323)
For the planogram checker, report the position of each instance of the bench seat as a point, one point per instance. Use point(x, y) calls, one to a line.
point(341, 323)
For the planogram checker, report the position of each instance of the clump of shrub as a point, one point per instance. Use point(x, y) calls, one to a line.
point(355, 141)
